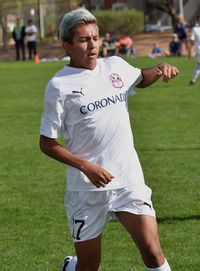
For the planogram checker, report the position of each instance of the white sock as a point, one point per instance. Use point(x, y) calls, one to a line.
point(164, 267)
point(196, 72)
point(72, 264)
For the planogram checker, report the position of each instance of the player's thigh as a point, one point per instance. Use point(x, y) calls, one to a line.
point(89, 254)
point(87, 213)
point(142, 228)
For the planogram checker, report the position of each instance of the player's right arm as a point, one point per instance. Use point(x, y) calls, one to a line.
point(97, 175)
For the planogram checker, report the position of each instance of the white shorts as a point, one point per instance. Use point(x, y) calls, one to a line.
point(88, 212)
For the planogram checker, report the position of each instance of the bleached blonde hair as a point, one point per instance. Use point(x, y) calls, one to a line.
point(72, 19)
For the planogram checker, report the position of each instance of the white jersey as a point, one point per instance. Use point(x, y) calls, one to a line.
point(195, 36)
point(31, 29)
point(89, 107)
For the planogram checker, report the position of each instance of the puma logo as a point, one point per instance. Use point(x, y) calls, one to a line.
point(78, 92)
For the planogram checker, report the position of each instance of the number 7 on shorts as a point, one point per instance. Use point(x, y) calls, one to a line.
point(77, 226)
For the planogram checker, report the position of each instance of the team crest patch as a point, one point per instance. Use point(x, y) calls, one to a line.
point(116, 80)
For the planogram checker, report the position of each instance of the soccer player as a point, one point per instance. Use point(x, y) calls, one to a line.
point(195, 40)
point(86, 101)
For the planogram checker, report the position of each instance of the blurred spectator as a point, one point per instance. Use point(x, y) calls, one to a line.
point(18, 35)
point(156, 51)
point(195, 42)
point(182, 32)
point(31, 31)
point(125, 46)
point(159, 23)
point(108, 45)
point(175, 46)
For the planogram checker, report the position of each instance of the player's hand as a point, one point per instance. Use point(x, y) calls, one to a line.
point(167, 71)
point(97, 175)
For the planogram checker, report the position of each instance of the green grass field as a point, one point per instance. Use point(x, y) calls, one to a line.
point(166, 124)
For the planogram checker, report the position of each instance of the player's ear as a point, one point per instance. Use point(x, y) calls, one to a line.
point(66, 47)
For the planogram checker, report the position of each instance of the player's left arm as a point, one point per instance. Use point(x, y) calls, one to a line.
point(151, 75)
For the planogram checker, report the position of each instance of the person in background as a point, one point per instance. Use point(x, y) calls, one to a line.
point(108, 45)
point(31, 31)
point(124, 46)
point(18, 35)
point(156, 51)
point(195, 42)
point(175, 46)
point(181, 30)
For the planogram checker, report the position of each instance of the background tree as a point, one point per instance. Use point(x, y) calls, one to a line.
point(167, 6)
point(5, 7)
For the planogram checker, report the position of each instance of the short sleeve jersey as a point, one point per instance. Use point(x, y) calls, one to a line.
point(89, 107)
point(195, 36)
point(31, 29)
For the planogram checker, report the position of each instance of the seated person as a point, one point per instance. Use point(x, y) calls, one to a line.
point(182, 31)
point(125, 46)
point(175, 46)
point(108, 45)
point(156, 51)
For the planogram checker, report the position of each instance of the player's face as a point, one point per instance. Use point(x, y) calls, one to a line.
point(84, 48)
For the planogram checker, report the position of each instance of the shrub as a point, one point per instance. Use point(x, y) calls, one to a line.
point(117, 22)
